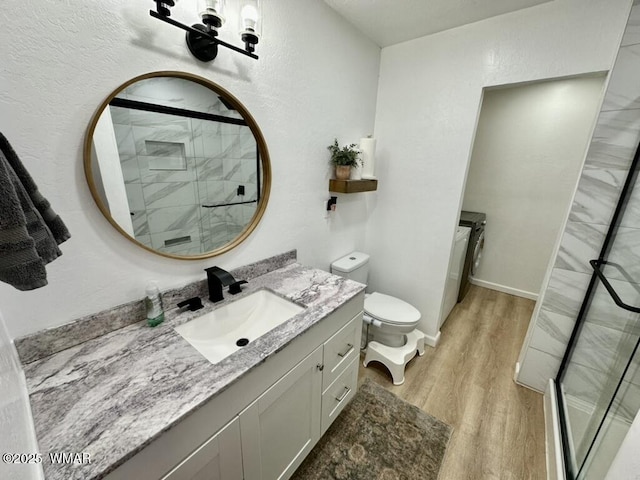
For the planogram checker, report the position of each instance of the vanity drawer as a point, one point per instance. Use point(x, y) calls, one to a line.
point(339, 394)
point(340, 349)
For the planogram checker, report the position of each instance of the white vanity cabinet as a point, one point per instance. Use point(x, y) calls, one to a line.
point(281, 427)
point(340, 373)
point(264, 425)
point(219, 458)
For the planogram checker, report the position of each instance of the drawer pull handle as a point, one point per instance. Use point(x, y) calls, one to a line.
point(347, 351)
point(346, 392)
point(320, 366)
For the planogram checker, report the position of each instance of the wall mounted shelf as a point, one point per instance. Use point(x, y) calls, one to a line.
point(353, 186)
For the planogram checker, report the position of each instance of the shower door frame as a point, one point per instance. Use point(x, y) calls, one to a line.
point(571, 469)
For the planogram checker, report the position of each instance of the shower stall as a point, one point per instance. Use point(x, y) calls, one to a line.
point(598, 384)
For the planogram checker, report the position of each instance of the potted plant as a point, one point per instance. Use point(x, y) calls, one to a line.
point(344, 158)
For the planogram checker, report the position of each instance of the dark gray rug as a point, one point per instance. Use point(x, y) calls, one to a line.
point(378, 437)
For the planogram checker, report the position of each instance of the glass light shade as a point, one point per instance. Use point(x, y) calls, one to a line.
point(251, 17)
point(213, 8)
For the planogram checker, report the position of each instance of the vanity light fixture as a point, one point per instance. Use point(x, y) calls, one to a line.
point(202, 38)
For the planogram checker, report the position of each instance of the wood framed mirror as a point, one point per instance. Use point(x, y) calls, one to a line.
point(177, 165)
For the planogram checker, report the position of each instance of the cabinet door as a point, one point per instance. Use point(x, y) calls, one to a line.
point(281, 427)
point(219, 458)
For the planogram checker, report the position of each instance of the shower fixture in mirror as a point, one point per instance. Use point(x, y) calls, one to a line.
point(177, 165)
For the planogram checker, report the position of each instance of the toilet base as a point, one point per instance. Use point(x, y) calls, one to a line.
point(396, 358)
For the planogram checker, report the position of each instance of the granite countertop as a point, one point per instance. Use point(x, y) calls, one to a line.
point(113, 395)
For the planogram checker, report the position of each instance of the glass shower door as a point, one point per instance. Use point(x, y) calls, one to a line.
point(598, 385)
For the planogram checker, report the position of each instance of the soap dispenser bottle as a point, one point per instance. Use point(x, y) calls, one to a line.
point(153, 305)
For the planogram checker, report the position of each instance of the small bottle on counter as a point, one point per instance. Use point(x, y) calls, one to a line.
point(153, 305)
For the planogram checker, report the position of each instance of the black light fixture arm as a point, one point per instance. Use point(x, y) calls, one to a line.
point(201, 39)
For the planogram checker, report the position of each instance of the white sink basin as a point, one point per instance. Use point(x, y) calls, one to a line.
point(226, 329)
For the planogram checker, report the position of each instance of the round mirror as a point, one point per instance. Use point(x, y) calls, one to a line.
point(177, 165)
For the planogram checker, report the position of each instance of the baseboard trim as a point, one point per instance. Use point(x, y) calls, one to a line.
point(504, 289)
point(432, 341)
point(553, 447)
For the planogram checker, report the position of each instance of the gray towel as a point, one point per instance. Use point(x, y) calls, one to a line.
point(26, 241)
point(53, 221)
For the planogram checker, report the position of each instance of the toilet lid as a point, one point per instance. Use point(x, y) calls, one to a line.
point(390, 309)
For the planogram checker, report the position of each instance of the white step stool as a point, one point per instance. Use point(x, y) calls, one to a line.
point(396, 358)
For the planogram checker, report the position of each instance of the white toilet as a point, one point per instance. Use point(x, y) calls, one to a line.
point(392, 322)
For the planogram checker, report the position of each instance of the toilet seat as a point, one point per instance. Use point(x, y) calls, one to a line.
point(391, 310)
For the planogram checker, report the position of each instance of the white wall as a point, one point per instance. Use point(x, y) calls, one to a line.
point(627, 462)
point(428, 102)
point(316, 79)
point(16, 423)
point(527, 155)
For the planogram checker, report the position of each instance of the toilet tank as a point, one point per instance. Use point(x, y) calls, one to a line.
point(354, 266)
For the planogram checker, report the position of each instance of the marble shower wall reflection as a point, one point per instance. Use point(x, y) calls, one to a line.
point(610, 154)
point(173, 165)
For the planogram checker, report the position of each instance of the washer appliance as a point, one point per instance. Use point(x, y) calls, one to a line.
point(476, 221)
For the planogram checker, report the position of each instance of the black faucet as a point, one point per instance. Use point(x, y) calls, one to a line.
point(218, 278)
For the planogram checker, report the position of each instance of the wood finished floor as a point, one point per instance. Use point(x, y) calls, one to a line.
point(467, 382)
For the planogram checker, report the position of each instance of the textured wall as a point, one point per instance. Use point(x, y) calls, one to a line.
point(316, 79)
point(428, 102)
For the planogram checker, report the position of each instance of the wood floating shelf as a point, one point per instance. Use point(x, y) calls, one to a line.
point(353, 186)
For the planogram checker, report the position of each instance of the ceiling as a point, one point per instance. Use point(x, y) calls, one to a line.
point(388, 22)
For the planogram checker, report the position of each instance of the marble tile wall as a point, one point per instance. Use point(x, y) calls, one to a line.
point(173, 165)
point(610, 332)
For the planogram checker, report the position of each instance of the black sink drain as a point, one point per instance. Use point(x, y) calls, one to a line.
point(242, 342)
